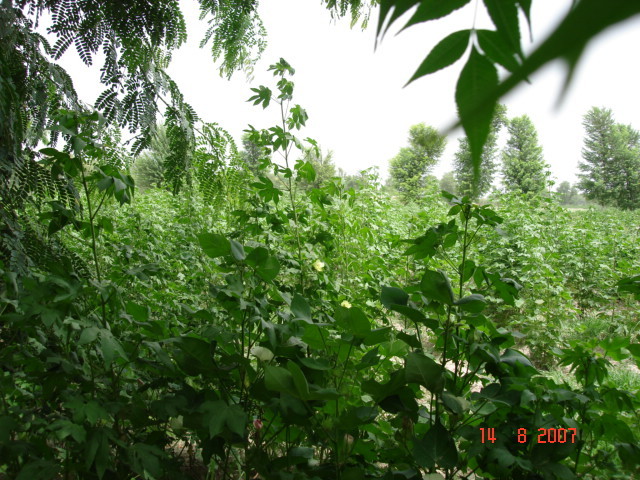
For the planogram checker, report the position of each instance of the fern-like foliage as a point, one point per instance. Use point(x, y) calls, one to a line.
point(360, 10)
point(177, 166)
point(236, 33)
point(218, 167)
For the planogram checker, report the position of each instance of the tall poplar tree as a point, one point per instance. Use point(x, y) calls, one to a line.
point(409, 168)
point(523, 165)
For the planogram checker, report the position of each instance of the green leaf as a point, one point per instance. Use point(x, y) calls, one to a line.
point(88, 335)
point(146, 460)
point(584, 21)
point(504, 15)
point(139, 312)
point(356, 416)
point(267, 266)
point(214, 244)
point(268, 269)
point(97, 451)
point(629, 455)
point(300, 308)
point(415, 316)
point(434, 9)
point(634, 348)
point(263, 96)
point(38, 470)
point(279, 379)
point(473, 303)
point(436, 448)
point(630, 285)
point(306, 171)
point(445, 53)
point(299, 380)
point(217, 415)
point(396, 8)
point(435, 285)
point(300, 454)
point(315, 363)
point(110, 348)
point(393, 296)
point(375, 336)
point(494, 47)
point(94, 412)
point(468, 270)
point(257, 256)
point(353, 320)
point(199, 352)
point(457, 405)
point(477, 80)
point(512, 357)
point(410, 340)
point(237, 250)
point(501, 456)
point(424, 371)
point(65, 428)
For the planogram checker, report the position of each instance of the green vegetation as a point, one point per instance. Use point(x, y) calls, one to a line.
point(524, 168)
point(409, 169)
point(255, 316)
point(611, 167)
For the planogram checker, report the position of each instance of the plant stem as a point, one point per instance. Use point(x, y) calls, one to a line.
point(94, 247)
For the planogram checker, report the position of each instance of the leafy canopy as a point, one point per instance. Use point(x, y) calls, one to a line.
point(479, 88)
point(611, 161)
point(524, 168)
point(409, 168)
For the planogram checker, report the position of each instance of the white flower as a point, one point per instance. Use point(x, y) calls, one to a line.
point(318, 265)
point(345, 304)
point(262, 353)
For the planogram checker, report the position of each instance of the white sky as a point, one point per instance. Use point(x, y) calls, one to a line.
point(354, 95)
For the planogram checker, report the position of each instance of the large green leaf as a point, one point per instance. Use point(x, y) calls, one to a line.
point(217, 415)
point(279, 379)
point(299, 380)
point(353, 320)
point(494, 46)
point(473, 303)
point(436, 448)
point(393, 296)
point(214, 244)
point(436, 286)
point(301, 309)
point(424, 371)
point(478, 77)
point(445, 53)
point(315, 363)
point(266, 266)
point(237, 250)
point(504, 15)
point(110, 347)
point(97, 451)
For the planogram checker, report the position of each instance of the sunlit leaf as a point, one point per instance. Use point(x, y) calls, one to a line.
point(445, 53)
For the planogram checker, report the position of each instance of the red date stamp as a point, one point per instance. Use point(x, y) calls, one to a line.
point(544, 435)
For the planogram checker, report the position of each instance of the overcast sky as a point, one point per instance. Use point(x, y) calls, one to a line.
point(355, 98)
